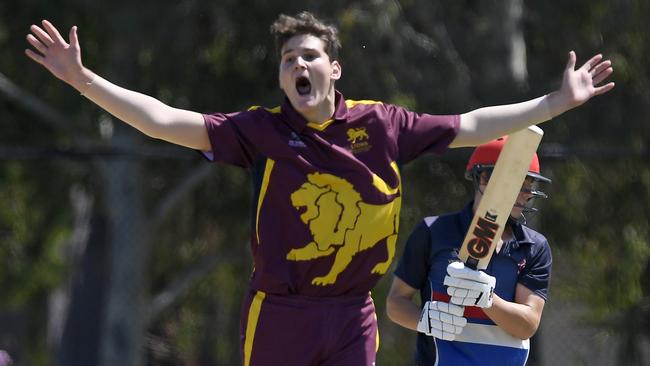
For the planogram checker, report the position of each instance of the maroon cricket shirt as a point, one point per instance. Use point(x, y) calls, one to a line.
point(326, 197)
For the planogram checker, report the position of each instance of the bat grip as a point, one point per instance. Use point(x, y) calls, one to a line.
point(471, 263)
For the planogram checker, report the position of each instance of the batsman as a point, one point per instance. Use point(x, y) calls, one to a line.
point(471, 317)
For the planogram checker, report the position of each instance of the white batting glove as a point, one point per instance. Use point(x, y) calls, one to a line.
point(441, 320)
point(469, 287)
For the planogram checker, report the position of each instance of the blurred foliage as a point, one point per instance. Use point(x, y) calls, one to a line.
point(431, 56)
point(605, 234)
point(32, 236)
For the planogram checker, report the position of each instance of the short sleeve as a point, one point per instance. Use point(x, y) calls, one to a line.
point(413, 265)
point(420, 133)
point(536, 275)
point(230, 138)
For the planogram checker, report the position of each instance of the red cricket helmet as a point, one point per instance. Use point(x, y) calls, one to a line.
point(485, 157)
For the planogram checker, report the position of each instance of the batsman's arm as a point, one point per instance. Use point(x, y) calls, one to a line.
point(400, 307)
point(141, 111)
point(578, 86)
point(520, 318)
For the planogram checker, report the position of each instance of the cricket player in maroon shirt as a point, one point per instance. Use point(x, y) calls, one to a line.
point(328, 167)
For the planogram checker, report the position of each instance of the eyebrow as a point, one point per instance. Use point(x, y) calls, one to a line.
point(304, 49)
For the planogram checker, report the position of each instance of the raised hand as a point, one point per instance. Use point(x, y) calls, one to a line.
point(580, 85)
point(62, 59)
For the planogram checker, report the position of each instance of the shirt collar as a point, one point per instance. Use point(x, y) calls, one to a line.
point(522, 236)
point(298, 122)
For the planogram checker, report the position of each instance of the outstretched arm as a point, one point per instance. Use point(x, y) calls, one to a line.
point(578, 86)
point(141, 111)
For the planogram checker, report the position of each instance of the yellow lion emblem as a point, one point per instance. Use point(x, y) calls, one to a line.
point(342, 223)
point(357, 134)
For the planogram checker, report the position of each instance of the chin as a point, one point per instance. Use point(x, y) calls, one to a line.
point(308, 102)
point(301, 105)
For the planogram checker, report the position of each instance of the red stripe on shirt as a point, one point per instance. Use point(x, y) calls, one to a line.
point(473, 312)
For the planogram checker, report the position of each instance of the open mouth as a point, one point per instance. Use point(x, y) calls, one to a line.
point(303, 86)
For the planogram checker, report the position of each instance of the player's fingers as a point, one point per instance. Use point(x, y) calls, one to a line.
point(598, 78)
point(472, 276)
point(463, 301)
point(455, 266)
point(457, 321)
point(74, 40)
point(460, 322)
point(571, 64)
point(53, 32)
point(600, 67)
point(457, 291)
point(34, 56)
point(457, 300)
point(464, 293)
point(458, 270)
point(442, 327)
point(446, 317)
point(36, 44)
point(449, 328)
point(592, 62)
point(42, 35)
point(437, 333)
point(465, 284)
point(464, 273)
point(604, 89)
point(449, 308)
point(435, 324)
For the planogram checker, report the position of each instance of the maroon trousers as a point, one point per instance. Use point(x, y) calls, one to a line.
point(296, 330)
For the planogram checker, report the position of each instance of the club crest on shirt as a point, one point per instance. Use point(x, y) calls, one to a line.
point(521, 265)
point(358, 138)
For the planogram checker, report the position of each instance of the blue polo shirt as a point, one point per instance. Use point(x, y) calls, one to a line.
point(431, 246)
point(326, 196)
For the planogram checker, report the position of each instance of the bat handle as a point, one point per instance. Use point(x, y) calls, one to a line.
point(471, 263)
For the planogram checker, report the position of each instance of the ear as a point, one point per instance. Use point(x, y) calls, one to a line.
point(336, 70)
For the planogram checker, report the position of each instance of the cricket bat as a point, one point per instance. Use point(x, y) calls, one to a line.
point(499, 197)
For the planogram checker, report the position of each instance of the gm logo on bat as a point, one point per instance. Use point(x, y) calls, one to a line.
point(484, 232)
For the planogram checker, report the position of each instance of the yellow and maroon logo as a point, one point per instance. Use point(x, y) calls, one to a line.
point(342, 224)
point(358, 138)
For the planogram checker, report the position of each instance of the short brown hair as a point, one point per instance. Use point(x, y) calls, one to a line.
point(286, 27)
